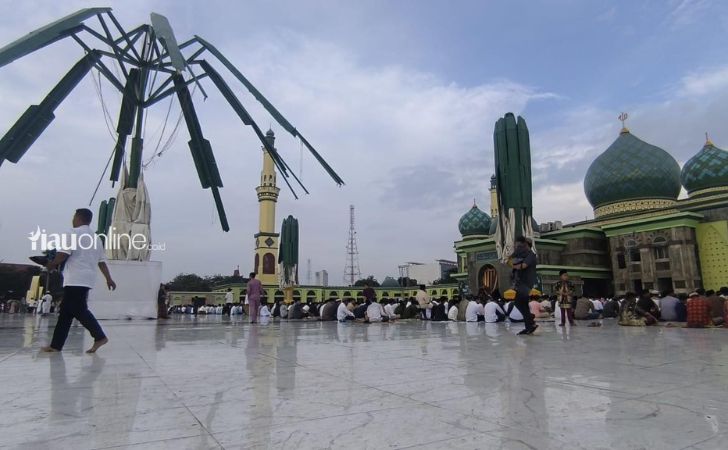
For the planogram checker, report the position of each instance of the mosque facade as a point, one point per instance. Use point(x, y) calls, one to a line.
point(642, 235)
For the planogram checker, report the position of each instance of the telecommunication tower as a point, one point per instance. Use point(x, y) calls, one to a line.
point(351, 271)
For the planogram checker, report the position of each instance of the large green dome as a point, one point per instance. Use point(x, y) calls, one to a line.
point(474, 222)
point(634, 174)
point(708, 169)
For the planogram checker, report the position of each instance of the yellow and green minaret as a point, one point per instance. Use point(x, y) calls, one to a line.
point(266, 239)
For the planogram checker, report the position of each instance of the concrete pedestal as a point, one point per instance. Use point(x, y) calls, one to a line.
point(135, 297)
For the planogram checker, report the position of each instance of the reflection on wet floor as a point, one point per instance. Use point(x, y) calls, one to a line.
point(212, 382)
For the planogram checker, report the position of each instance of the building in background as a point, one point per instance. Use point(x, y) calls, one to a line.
point(642, 235)
point(322, 278)
point(427, 273)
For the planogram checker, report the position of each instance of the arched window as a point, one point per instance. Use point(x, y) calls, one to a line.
point(279, 295)
point(257, 263)
point(310, 295)
point(269, 264)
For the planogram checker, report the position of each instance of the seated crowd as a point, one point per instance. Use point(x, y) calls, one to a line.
point(699, 309)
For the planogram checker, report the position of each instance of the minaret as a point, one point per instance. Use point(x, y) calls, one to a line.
point(266, 240)
point(493, 197)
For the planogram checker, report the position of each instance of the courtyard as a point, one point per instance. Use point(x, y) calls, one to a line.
point(216, 383)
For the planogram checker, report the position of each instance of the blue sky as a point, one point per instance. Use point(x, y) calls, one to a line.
point(399, 96)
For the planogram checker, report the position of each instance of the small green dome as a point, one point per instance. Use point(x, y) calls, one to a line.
point(707, 169)
point(474, 222)
point(631, 169)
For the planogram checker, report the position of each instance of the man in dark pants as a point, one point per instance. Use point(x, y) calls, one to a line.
point(524, 278)
point(83, 255)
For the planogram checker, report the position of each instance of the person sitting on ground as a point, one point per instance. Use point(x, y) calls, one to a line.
point(585, 310)
point(514, 314)
point(598, 305)
point(342, 312)
point(463, 307)
point(295, 312)
point(628, 315)
point(681, 308)
point(699, 314)
point(275, 310)
point(264, 311)
point(493, 312)
point(439, 310)
point(473, 311)
point(611, 309)
point(375, 313)
point(452, 311)
point(646, 308)
point(360, 310)
point(717, 309)
point(411, 311)
point(328, 311)
point(423, 301)
point(546, 305)
point(389, 308)
point(399, 309)
point(534, 305)
point(668, 306)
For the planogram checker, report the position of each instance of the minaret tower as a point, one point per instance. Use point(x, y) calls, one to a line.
point(266, 240)
point(493, 197)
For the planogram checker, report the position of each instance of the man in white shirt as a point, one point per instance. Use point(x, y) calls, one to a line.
point(389, 310)
point(452, 313)
point(82, 259)
point(514, 314)
point(342, 312)
point(375, 313)
point(229, 296)
point(493, 312)
point(473, 310)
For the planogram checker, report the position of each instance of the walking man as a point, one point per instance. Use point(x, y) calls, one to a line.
point(524, 278)
point(255, 288)
point(79, 276)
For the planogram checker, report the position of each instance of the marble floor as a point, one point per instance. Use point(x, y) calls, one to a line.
point(216, 383)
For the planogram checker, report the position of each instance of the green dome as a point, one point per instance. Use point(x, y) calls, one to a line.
point(708, 169)
point(474, 222)
point(631, 169)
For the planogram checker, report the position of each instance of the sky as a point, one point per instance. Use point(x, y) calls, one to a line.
point(400, 97)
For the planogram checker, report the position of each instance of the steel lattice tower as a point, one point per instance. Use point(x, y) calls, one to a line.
point(352, 272)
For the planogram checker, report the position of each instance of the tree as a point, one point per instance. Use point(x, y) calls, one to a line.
point(370, 280)
point(189, 282)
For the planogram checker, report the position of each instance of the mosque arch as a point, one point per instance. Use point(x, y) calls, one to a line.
point(279, 295)
point(257, 263)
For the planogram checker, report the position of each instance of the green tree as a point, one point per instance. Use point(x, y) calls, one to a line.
point(370, 280)
point(189, 282)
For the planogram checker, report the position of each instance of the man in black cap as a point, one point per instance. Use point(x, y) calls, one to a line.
point(524, 263)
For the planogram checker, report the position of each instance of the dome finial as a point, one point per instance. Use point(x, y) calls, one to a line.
point(475, 205)
point(623, 118)
point(707, 139)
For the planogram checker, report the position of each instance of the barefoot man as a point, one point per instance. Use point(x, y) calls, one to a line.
point(79, 276)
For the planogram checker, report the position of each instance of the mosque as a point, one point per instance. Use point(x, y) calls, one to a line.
point(642, 235)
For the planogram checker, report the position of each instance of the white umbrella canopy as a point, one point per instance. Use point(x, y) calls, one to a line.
point(132, 218)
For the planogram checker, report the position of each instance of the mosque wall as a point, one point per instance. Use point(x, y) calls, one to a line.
point(660, 259)
point(712, 240)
